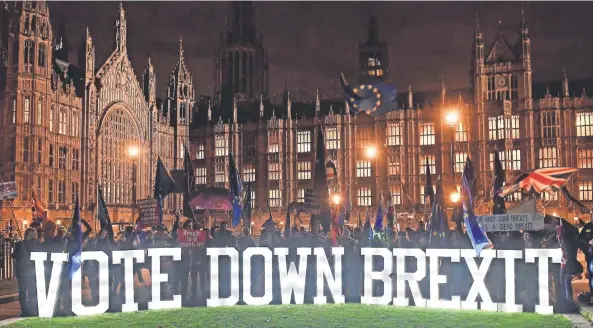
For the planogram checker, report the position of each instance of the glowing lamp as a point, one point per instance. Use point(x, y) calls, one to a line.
point(336, 199)
point(455, 197)
point(371, 152)
point(133, 151)
point(452, 117)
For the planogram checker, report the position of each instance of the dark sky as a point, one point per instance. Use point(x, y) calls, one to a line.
point(310, 43)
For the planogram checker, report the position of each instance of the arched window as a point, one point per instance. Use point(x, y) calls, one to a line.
point(62, 122)
point(75, 124)
point(41, 56)
point(51, 118)
point(26, 109)
point(39, 111)
point(28, 55)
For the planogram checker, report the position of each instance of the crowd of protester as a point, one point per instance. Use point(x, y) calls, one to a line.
point(190, 276)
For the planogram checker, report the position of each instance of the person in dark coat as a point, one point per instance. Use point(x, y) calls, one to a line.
point(25, 272)
point(586, 245)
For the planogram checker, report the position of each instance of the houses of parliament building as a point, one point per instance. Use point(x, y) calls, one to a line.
point(67, 128)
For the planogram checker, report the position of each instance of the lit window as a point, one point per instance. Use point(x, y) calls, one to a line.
point(365, 196)
point(550, 197)
point(13, 110)
point(549, 124)
point(586, 190)
point(304, 170)
point(41, 56)
point(584, 124)
point(26, 109)
point(500, 127)
point(509, 159)
point(75, 159)
point(39, 112)
point(248, 173)
point(515, 197)
point(396, 194)
point(221, 143)
point(363, 138)
point(274, 171)
point(252, 198)
point(427, 134)
point(51, 119)
point(394, 134)
point(423, 198)
point(548, 157)
point(394, 165)
point(301, 195)
point(460, 159)
point(332, 138)
point(461, 132)
point(200, 152)
point(181, 151)
point(62, 157)
point(201, 176)
point(363, 168)
point(304, 141)
point(275, 198)
point(75, 124)
point(431, 163)
point(273, 142)
point(585, 159)
point(220, 175)
point(62, 122)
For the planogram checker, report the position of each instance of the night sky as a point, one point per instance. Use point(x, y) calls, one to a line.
point(310, 43)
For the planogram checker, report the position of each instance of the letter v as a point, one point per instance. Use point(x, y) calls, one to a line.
point(46, 303)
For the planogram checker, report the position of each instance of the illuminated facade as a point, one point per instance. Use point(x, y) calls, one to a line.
point(67, 128)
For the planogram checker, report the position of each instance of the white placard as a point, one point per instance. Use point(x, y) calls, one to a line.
point(511, 222)
point(8, 190)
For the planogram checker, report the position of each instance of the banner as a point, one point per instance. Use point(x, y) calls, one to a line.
point(8, 190)
point(149, 215)
point(512, 222)
point(191, 238)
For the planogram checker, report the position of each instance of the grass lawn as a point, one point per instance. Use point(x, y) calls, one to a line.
point(350, 315)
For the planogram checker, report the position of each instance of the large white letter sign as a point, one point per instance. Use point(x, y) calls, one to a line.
point(543, 254)
point(128, 259)
point(268, 292)
point(370, 275)
point(291, 280)
point(478, 274)
point(413, 278)
point(334, 282)
point(158, 278)
point(436, 279)
point(77, 307)
point(47, 302)
point(509, 257)
point(215, 299)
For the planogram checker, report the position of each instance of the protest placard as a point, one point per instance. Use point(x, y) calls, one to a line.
point(512, 222)
point(149, 215)
point(191, 238)
point(8, 190)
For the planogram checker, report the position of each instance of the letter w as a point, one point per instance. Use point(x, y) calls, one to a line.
point(292, 281)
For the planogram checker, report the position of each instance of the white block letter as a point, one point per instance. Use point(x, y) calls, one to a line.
point(291, 280)
point(157, 278)
point(436, 279)
point(413, 278)
point(478, 274)
point(334, 282)
point(370, 275)
point(103, 305)
point(47, 302)
point(509, 257)
point(555, 254)
point(215, 299)
point(268, 292)
point(128, 259)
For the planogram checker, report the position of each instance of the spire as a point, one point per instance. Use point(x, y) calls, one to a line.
point(289, 107)
point(410, 97)
point(317, 102)
point(565, 92)
point(373, 36)
point(120, 29)
point(234, 110)
point(180, 58)
point(499, 26)
point(261, 105)
point(524, 29)
point(584, 94)
point(209, 112)
point(547, 90)
point(443, 91)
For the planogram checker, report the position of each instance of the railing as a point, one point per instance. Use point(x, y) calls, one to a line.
point(6, 261)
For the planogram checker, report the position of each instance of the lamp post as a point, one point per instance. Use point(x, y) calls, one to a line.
point(370, 153)
point(452, 118)
point(133, 153)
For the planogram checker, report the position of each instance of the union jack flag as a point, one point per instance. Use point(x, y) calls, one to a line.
point(547, 180)
point(330, 170)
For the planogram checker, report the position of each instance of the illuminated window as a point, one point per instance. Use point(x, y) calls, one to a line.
point(62, 157)
point(200, 152)
point(332, 138)
point(75, 124)
point(423, 198)
point(304, 141)
point(509, 159)
point(515, 197)
point(13, 110)
point(75, 159)
point(221, 144)
point(460, 159)
point(548, 157)
point(252, 198)
point(500, 127)
point(220, 175)
point(62, 122)
point(396, 194)
point(427, 134)
point(393, 167)
point(51, 118)
point(365, 196)
point(28, 55)
point(39, 112)
point(248, 173)
point(26, 109)
point(62, 192)
point(304, 170)
point(550, 197)
point(274, 171)
point(201, 176)
point(512, 126)
point(431, 163)
point(549, 124)
point(461, 132)
point(394, 134)
point(181, 150)
point(275, 198)
point(586, 190)
point(363, 168)
point(301, 195)
point(584, 124)
point(363, 138)
point(273, 142)
point(585, 159)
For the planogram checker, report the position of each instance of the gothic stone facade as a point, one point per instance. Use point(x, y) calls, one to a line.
point(67, 129)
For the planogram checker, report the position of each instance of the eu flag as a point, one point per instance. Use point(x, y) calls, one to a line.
point(103, 214)
point(475, 232)
point(75, 257)
point(428, 191)
point(375, 99)
point(320, 186)
point(498, 206)
point(236, 190)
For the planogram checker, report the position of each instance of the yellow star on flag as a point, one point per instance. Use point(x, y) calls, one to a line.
point(362, 87)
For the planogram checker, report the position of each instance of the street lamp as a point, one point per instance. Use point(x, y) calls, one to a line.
point(455, 196)
point(133, 153)
point(371, 152)
point(336, 199)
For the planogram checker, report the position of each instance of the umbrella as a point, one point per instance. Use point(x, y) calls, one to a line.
point(213, 198)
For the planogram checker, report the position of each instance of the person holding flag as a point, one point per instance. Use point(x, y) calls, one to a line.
point(163, 185)
point(474, 230)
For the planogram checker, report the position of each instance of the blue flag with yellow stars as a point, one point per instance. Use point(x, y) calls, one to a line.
point(374, 98)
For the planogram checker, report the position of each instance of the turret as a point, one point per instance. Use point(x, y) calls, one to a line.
point(87, 57)
point(120, 29)
point(149, 83)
